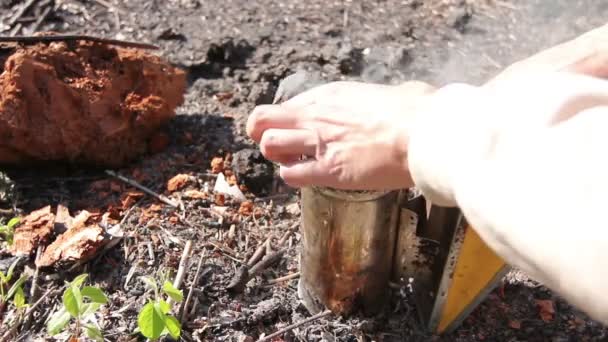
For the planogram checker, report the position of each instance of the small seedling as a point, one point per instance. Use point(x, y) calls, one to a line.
point(7, 231)
point(15, 290)
point(75, 307)
point(154, 319)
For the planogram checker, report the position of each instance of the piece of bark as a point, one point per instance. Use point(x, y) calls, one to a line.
point(35, 229)
point(79, 243)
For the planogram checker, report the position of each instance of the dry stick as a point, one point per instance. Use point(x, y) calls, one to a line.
point(257, 255)
point(265, 262)
point(21, 12)
point(296, 325)
point(130, 275)
point(150, 251)
point(183, 264)
point(45, 13)
point(268, 247)
point(191, 290)
point(34, 288)
point(16, 30)
point(245, 273)
point(133, 183)
point(284, 278)
point(109, 6)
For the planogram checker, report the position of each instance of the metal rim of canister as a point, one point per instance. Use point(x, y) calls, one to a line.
point(352, 195)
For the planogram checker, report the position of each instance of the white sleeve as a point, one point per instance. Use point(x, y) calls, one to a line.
point(533, 182)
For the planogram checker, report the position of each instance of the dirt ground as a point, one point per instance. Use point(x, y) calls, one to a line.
point(235, 52)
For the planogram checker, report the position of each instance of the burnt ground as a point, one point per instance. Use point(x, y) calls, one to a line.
point(235, 53)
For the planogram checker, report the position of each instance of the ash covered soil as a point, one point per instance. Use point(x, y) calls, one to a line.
point(234, 53)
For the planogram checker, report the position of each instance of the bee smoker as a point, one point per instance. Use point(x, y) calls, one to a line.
point(347, 249)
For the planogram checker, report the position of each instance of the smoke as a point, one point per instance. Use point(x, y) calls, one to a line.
point(489, 41)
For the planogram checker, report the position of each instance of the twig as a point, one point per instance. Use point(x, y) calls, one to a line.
point(133, 183)
point(266, 262)
point(183, 265)
point(16, 29)
point(26, 6)
point(284, 278)
point(74, 38)
point(6, 211)
point(130, 275)
point(245, 273)
point(109, 6)
point(34, 288)
point(296, 325)
point(191, 290)
point(259, 252)
point(45, 13)
point(268, 247)
point(150, 251)
point(227, 251)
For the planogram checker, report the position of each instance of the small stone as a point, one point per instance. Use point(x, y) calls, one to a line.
point(253, 170)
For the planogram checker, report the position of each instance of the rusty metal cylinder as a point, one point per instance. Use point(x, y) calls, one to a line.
point(348, 240)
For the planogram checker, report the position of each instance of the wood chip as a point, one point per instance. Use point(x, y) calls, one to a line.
point(35, 229)
point(77, 244)
point(178, 182)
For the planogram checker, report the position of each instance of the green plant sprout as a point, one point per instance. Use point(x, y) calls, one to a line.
point(154, 319)
point(8, 230)
point(75, 306)
point(15, 290)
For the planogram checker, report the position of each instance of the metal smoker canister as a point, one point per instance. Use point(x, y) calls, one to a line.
point(347, 249)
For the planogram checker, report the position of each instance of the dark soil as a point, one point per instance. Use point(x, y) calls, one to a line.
point(235, 53)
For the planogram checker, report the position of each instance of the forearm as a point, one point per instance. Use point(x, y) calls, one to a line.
point(530, 183)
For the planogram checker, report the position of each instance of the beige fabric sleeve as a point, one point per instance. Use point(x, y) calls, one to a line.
point(527, 162)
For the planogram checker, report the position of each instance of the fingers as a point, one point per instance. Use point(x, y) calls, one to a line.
point(285, 146)
point(305, 173)
point(595, 65)
point(270, 116)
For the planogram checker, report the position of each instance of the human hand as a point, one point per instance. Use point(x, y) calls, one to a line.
point(354, 135)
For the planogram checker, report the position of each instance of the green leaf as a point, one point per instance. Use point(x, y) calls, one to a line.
point(172, 292)
point(19, 300)
point(58, 321)
point(9, 273)
point(13, 222)
point(151, 322)
point(3, 278)
point(94, 333)
point(164, 306)
point(79, 280)
point(173, 326)
point(89, 308)
point(95, 294)
point(71, 302)
point(16, 286)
